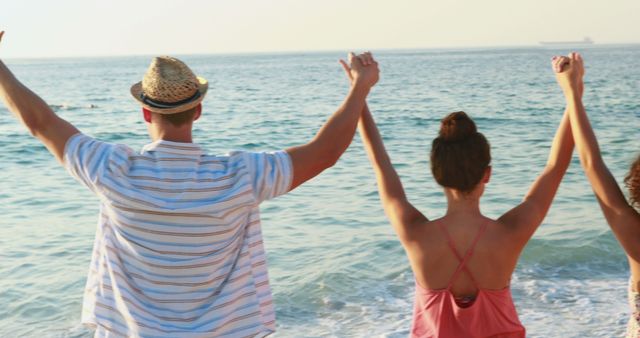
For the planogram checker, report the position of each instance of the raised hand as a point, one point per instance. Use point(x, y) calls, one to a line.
point(569, 73)
point(337, 133)
point(361, 69)
point(34, 113)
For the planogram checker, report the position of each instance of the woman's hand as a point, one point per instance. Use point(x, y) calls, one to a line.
point(358, 69)
point(569, 73)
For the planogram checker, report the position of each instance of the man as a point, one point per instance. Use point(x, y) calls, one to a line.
point(178, 249)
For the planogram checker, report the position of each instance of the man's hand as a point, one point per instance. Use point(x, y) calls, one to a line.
point(362, 69)
point(569, 73)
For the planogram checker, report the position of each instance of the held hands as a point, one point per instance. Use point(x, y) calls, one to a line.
point(569, 72)
point(362, 69)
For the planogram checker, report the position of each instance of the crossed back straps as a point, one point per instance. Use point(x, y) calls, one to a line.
point(463, 259)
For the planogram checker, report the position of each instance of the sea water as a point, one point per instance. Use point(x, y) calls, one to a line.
point(336, 267)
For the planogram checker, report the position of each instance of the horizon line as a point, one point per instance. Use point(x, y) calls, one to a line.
point(320, 51)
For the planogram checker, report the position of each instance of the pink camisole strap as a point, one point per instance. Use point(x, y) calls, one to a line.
point(463, 259)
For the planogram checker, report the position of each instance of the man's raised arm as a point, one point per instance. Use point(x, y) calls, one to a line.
point(337, 133)
point(34, 113)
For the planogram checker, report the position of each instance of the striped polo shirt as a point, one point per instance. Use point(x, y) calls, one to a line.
point(178, 250)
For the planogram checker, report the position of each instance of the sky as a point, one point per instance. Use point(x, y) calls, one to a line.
point(76, 28)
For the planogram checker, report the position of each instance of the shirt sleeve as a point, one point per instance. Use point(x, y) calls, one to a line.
point(86, 159)
point(270, 173)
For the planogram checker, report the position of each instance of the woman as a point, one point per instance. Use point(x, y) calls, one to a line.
point(623, 219)
point(463, 262)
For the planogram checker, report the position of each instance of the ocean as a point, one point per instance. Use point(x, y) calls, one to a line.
point(336, 267)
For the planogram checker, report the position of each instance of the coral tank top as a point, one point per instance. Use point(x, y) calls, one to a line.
point(439, 314)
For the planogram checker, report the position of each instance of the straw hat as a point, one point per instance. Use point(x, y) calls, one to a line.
point(169, 87)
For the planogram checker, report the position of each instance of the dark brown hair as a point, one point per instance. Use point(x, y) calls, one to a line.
point(180, 119)
point(632, 181)
point(460, 154)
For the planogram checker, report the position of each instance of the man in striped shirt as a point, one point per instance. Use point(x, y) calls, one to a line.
point(178, 249)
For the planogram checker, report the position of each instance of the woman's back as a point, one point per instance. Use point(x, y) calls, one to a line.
point(434, 260)
point(462, 266)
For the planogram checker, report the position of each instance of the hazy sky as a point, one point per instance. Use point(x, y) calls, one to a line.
point(44, 28)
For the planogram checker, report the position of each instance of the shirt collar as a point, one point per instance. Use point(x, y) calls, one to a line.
point(170, 147)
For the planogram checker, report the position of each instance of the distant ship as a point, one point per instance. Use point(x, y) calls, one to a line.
point(585, 41)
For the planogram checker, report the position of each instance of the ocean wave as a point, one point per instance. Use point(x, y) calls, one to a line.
point(69, 107)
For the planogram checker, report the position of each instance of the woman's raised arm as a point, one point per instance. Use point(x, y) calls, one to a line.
point(525, 218)
point(402, 214)
point(622, 218)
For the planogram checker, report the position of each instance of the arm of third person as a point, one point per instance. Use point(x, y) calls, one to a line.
point(34, 113)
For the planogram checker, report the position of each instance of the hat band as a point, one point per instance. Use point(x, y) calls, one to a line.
point(163, 105)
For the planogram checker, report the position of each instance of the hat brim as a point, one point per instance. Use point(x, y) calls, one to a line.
point(203, 86)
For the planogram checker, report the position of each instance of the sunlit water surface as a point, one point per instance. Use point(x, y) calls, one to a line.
point(336, 267)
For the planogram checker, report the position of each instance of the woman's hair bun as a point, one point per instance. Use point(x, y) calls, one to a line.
point(460, 155)
point(457, 127)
